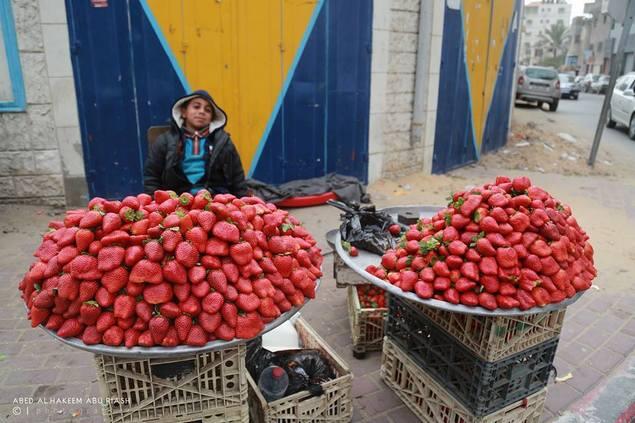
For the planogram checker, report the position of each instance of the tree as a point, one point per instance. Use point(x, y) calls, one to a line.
point(555, 39)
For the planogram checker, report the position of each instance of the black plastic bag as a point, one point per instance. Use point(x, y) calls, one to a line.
point(366, 228)
point(257, 358)
point(307, 370)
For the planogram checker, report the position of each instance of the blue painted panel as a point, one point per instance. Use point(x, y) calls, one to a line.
point(119, 94)
point(8, 34)
point(323, 123)
point(454, 137)
point(497, 124)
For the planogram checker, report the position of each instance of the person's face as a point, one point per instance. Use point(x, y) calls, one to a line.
point(197, 114)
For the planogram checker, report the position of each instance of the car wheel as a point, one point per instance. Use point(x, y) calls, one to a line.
point(540, 103)
point(610, 123)
point(631, 128)
point(553, 106)
point(575, 96)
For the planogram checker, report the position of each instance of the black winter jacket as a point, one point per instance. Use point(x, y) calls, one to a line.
point(224, 171)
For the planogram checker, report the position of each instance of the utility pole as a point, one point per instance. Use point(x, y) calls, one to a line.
point(616, 67)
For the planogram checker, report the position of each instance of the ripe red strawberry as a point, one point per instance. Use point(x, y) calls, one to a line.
point(209, 322)
point(200, 290)
point(230, 313)
point(131, 202)
point(158, 294)
point(198, 237)
point(196, 337)
point(131, 337)
point(171, 240)
point(248, 302)
point(145, 339)
point(154, 251)
point(124, 306)
point(174, 272)
point(44, 299)
point(134, 253)
point(104, 298)
point(170, 310)
point(212, 303)
point(268, 308)
point(91, 219)
point(111, 222)
point(113, 336)
point(85, 267)
point(144, 199)
point(94, 248)
point(241, 253)
point(89, 313)
point(191, 306)
point(38, 315)
point(70, 328)
point(196, 274)
point(143, 310)
point(54, 321)
point(68, 287)
point(248, 326)
point(110, 258)
point(225, 332)
point(226, 231)
point(66, 254)
point(73, 309)
point(171, 221)
point(182, 292)
point(284, 264)
point(217, 281)
point(217, 247)
point(134, 289)
point(183, 324)
point(105, 320)
point(115, 280)
point(207, 220)
point(146, 271)
point(159, 326)
point(186, 254)
point(91, 336)
point(263, 287)
point(171, 338)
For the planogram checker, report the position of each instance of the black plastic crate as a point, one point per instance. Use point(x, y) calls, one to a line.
point(482, 386)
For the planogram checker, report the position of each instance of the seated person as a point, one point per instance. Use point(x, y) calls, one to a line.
point(196, 153)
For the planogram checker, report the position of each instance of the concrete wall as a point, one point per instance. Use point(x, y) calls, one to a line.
point(394, 148)
point(40, 149)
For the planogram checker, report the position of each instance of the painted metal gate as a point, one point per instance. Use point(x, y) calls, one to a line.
point(477, 73)
point(292, 75)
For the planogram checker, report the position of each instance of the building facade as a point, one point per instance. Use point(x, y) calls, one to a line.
point(579, 36)
point(538, 17)
point(598, 51)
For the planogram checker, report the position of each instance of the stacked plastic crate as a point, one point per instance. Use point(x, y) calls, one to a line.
point(456, 367)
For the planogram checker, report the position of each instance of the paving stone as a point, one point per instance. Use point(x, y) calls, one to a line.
point(605, 360)
point(8, 394)
point(621, 343)
point(7, 324)
point(31, 377)
point(403, 415)
point(363, 385)
point(77, 374)
point(629, 328)
point(585, 317)
point(584, 378)
point(593, 337)
point(573, 352)
point(559, 396)
point(546, 416)
point(379, 402)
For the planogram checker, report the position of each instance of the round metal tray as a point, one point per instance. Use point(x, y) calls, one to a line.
point(365, 258)
point(178, 351)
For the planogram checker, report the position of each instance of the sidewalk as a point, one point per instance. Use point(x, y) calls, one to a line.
point(598, 336)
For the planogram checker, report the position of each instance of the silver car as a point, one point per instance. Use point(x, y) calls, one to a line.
point(539, 85)
point(568, 87)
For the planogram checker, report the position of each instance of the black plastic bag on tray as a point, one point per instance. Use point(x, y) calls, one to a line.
point(307, 370)
point(257, 358)
point(365, 227)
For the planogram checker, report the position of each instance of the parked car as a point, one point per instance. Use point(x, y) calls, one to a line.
point(568, 86)
point(539, 85)
point(622, 108)
point(588, 79)
point(601, 85)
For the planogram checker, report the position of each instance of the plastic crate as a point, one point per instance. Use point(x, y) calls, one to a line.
point(335, 405)
point(367, 324)
point(431, 403)
point(497, 337)
point(344, 276)
point(208, 387)
point(482, 386)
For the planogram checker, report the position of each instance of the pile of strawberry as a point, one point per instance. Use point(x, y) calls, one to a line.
point(371, 296)
point(504, 245)
point(170, 270)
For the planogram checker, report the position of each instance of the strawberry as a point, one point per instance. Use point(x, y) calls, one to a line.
point(217, 281)
point(174, 272)
point(153, 251)
point(183, 324)
point(200, 290)
point(182, 292)
point(89, 312)
point(84, 267)
point(115, 237)
point(248, 302)
point(170, 310)
point(143, 310)
point(171, 239)
point(226, 231)
point(159, 326)
point(66, 254)
point(267, 308)
point(207, 220)
point(212, 303)
point(105, 320)
point(196, 337)
point(110, 222)
point(241, 253)
point(186, 254)
point(225, 332)
point(284, 264)
point(133, 254)
point(70, 328)
point(248, 326)
point(39, 315)
point(124, 307)
point(161, 195)
point(131, 202)
point(191, 306)
point(44, 299)
point(198, 237)
point(146, 271)
point(171, 221)
point(115, 280)
point(196, 274)
point(68, 287)
point(244, 286)
point(209, 322)
point(73, 309)
point(91, 336)
point(171, 338)
point(144, 199)
point(54, 321)
point(131, 337)
point(110, 258)
point(91, 219)
point(229, 313)
point(145, 339)
point(113, 336)
point(216, 247)
point(158, 294)
point(134, 289)
point(104, 298)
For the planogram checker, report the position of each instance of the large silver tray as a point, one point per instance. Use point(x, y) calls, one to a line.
point(365, 258)
point(178, 351)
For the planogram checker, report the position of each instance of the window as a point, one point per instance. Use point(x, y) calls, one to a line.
point(604, 17)
point(576, 39)
point(599, 47)
point(561, 10)
point(529, 22)
point(12, 97)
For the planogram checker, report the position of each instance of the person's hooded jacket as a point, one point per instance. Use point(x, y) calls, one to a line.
point(223, 170)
